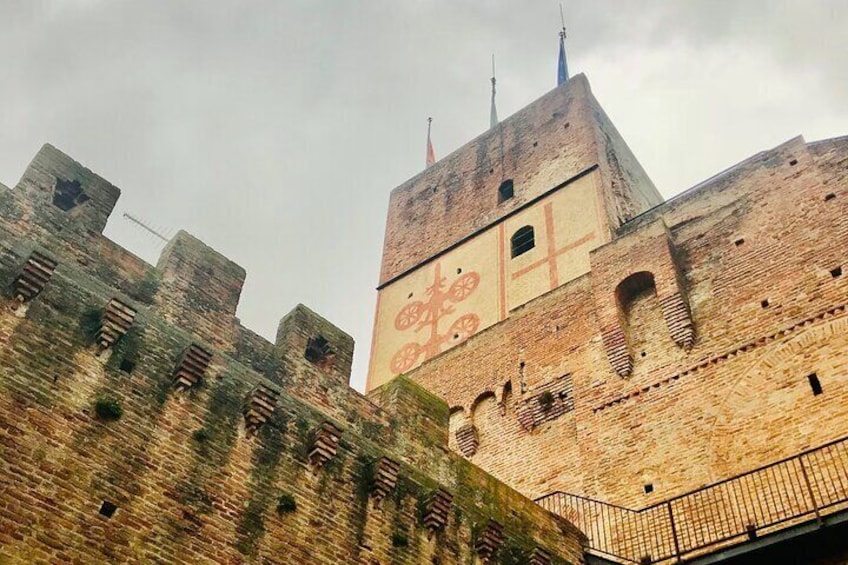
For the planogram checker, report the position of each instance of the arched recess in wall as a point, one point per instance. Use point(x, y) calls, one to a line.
point(641, 316)
point(458, 418)
point(771, 412)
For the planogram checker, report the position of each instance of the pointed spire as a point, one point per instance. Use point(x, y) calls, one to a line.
point(493, 115)
point(562, 66)
point(431, 155)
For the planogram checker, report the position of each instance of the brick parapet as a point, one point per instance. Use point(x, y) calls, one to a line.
point(190, 481)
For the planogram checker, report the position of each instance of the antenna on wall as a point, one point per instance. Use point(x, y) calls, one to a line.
point(145, 226)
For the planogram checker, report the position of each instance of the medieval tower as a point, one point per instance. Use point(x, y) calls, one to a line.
point(670, 376)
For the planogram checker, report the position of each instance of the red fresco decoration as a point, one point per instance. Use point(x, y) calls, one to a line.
point(430, 313)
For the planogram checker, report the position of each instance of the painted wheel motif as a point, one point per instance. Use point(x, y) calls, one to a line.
point(405, 357)
point(464, 327)
point(409, 315)
point(463, 286)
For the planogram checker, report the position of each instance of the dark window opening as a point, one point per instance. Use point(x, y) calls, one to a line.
point(107, 509)
point(410, 295)
point(837, 272)
point(765, 303)
point(318, 350)
point(815, 384)
point(830, 196)
point(649, 488)
point(643, 354)
point(793, 162)
point(739, 241)
point(67, 194)
point(535, 144)
point(506, 190)
point(127, 366)
point(459, 270)
point(522, 241)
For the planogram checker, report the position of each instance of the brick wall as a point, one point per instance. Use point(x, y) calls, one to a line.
point(190, 439)
point(540, 147)
point(772, 229)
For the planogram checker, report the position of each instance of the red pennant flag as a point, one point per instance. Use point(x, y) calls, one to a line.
point(431, 155)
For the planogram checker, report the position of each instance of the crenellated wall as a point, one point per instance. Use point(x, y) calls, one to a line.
point(140, 423)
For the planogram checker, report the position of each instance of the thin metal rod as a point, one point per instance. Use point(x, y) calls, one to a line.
point(145, 226)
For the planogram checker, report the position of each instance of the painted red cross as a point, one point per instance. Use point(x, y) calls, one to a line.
point(552, 252)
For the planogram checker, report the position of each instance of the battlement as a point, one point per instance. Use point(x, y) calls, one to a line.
point(132, 394)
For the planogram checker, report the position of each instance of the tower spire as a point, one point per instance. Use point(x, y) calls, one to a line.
point(431, 155)
point(562, 66)
point(493, 115)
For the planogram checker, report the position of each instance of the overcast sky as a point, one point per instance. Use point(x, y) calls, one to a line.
point(274, 130)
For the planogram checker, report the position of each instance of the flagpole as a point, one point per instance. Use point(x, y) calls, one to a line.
point(431, 156)
point(562, 64)
point(493, 114)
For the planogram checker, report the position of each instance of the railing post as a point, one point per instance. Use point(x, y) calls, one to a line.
point(673, 532)
point(810, 489)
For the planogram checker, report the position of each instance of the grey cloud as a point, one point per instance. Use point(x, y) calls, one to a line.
point(274, 130)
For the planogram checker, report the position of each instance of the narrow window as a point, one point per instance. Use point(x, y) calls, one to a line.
point(793, 162)
point(506, 191)
point(318, 351)
point(127, 366)
point(522, 241)
point(765, 303)
point(815, 384)
point(649, 488)
point(739, 241)
point(107, 509)
point(836, 273)
point(830, 196)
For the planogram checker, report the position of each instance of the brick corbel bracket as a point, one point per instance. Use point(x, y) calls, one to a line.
point(437, 510)
point(259, 408)
point(325, 445)
point(467, 439)
point(34, 276)
point(116, 321)
point(540, 557)
point(649, 250)
point(385, 478)
point(191, 369)
point(490, 541)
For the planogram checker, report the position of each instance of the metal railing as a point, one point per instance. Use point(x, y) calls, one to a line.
point(806, 486)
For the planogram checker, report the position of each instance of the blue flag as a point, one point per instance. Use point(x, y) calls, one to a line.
point(562, 67)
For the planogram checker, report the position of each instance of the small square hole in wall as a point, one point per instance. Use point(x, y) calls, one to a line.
point(127, 366)
point(649, 488)
point(793, 162)
point(830, 196)
point(837, 272)
point(739, 241)
point(107, 509)
point(459, 270)
point(815, 384)
point(765, 303)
